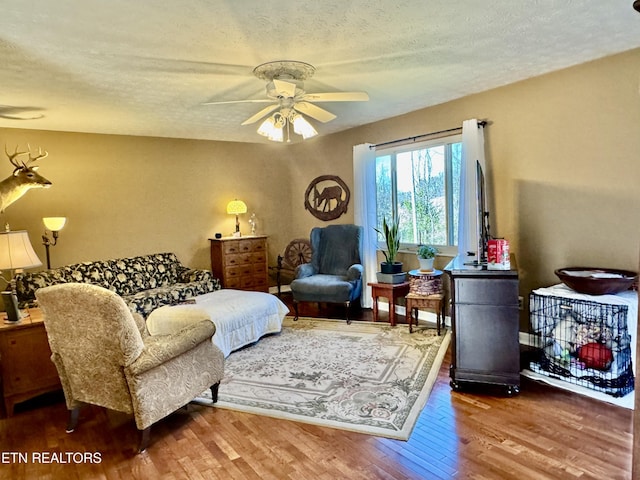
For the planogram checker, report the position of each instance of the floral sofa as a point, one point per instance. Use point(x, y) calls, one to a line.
point(145, 282)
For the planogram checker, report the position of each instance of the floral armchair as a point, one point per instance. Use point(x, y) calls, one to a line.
point(104, 356)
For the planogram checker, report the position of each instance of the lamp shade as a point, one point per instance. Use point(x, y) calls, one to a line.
point(16, 251)
point(54, 224)
point(236, 207)
point(302, 127)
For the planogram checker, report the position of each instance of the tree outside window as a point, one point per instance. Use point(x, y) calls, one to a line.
point(420, 184)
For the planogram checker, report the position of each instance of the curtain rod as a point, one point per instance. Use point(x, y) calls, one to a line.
point(481, 123)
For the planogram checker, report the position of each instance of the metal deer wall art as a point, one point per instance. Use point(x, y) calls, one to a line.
point(24, 177)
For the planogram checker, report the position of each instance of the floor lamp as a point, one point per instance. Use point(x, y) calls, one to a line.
point(54, 225)
point(16, 253)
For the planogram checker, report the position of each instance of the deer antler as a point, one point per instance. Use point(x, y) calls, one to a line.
point(33, 159)
point(13, 156)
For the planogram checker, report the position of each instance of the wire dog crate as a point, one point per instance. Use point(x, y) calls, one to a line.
point(582, 342)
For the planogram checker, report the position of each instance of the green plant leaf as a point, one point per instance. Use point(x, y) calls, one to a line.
point(390, 232)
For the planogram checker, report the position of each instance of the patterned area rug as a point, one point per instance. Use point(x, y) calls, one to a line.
point(364, 377)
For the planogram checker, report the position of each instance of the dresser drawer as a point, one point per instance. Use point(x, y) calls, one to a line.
point(247, 246)
point(239, 271)
point(260, 269)
point(233, 282)
point(483, 292)
point(231, 247)
point(233, 260)
point(254, 282)
point(256, 258)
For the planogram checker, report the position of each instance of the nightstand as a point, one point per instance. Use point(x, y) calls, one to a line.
point(25, 361)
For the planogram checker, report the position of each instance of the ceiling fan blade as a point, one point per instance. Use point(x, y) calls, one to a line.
point(337, 97)
point(260, 114)
point(258, 100)
point(284, 89)
point(13, 117)
point(11, 112)
point(175, 65)
point(313, 111)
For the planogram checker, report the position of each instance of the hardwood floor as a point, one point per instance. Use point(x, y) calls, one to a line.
point(542, 433)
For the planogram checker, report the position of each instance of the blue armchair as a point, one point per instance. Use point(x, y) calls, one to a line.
point(335, 272)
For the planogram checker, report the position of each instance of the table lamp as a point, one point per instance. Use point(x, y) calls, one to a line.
point(236, 207)
point(16, 253)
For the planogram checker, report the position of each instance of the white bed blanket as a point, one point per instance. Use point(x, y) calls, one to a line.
point(241, 317)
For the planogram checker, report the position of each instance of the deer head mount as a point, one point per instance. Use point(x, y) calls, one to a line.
point(24, 177)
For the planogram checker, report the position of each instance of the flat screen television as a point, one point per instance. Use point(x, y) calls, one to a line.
point(482, 216)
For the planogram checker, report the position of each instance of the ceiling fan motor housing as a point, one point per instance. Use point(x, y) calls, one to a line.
point(284, 70)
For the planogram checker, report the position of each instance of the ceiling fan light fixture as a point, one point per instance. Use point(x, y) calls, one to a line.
point(266, 127)
point(277, 135)
point(272, 128)
point(302, 127)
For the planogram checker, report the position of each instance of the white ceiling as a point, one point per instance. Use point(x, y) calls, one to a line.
point(145, 67)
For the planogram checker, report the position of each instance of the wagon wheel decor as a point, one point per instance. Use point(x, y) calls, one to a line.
point(327, 197)
point(298, 252)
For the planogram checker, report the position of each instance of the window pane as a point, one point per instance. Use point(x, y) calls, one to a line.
point(422, 187)
point(421, 196)
point(456, 162)
point(384, 191)
point(406, 197)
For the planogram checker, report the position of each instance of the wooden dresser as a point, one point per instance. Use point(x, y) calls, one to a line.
point(241, 262)
point(25, 363)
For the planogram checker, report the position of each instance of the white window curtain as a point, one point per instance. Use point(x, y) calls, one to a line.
point(364, 213)
point(472, 150)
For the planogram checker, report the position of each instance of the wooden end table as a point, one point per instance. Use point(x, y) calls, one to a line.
point(433, 302)
point(390, 291)
point(25, 364)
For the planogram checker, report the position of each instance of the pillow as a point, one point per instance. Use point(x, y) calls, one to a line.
point(170, 319)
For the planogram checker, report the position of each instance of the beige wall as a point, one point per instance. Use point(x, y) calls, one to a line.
point(563, 169)
point(135, 195)
point(563, 157)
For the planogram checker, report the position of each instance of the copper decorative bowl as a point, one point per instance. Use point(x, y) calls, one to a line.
point(597, 281)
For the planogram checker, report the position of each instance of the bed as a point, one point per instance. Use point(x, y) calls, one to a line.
point(241, 317)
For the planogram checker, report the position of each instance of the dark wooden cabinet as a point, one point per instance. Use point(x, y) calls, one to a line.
point(241, 262)
point(485, 325)
point(25, 361)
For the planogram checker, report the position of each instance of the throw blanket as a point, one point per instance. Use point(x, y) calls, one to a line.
point(240, 317)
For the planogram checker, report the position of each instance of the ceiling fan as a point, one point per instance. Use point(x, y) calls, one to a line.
point(288, 99)
point(11, 112)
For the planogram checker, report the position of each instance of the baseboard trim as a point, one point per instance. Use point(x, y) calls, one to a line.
point(422, 314)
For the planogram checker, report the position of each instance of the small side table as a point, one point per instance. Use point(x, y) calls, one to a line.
point(433, 302)
point(25, 365)
point(390, 291)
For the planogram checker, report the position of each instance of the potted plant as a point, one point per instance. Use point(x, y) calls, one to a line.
point(392, 238)
point(426, 255)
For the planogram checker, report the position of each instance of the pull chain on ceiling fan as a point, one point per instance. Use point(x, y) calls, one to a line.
point(285, 91)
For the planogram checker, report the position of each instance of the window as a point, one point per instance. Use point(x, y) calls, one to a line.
point(420, 184)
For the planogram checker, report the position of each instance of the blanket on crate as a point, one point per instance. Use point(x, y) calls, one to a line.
point(145, 282)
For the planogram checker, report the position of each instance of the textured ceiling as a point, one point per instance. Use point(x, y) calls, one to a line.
point(145, 68)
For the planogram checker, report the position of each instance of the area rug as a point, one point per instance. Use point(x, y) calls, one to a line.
point(365, 377)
